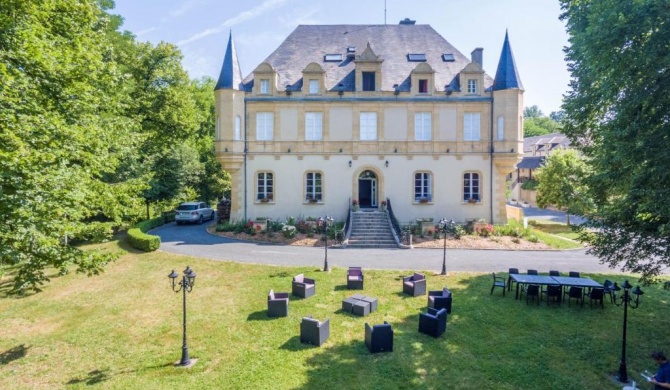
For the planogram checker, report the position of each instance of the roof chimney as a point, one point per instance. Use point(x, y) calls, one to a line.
point(407, 21)
point(477, 56)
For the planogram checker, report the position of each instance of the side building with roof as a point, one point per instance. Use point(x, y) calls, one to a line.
point(535, 151)
point(339, 113)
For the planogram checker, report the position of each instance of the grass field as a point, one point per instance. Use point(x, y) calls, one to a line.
point(122, 330)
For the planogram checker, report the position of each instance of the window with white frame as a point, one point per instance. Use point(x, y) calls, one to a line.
point(238, 128)
point(368, 126)
point(422, 126)
point(422, 187)
point(472, 86)
point(313, 86)
point(265, 187)
point(313, 187)
point(313, 126)
point(501, 127)
point(471, 187)
point(471, 124)
point(264, 126)
point(265, 86)
point(218, 128)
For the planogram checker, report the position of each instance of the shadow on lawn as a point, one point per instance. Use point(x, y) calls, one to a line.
point(261, 315)
point(13, 354)
point(92, 378)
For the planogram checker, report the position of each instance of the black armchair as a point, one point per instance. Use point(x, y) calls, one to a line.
point(414, 285)
point(355, 278)
point(313, 331)
point(277, 304)
point(598, 295)
point(440, 299)
point(433, 322)
point(303, 287)
point(379, 338)
point(498, 281)
point(576, 293)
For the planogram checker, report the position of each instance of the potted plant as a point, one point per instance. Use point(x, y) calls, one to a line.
point(424, 200)
point(383, 204)
point(472, 200)
point(354, 205)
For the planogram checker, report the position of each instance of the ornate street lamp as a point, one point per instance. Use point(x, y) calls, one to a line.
point(185, 285)
point(325, 223)
point(445, 226)
point(627, 301)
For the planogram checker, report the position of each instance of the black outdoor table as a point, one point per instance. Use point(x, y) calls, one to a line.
point(532, 279)
point(577, 282)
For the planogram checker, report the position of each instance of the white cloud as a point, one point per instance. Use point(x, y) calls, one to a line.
point(304, 18)
point(244, 16)
point(145, 31)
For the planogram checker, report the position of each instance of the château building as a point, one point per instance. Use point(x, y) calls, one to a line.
point(369, 112)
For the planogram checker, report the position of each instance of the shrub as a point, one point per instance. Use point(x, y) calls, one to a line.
point(485, 230)
point(288, 231)
point(138, 238)
point(533, 238)
point(302, 227)
point(530, 185)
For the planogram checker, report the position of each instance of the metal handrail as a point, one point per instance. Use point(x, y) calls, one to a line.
point(398, 233)
point(343, 234)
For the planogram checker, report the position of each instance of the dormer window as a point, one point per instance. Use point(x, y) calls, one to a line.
point(423, 86)
point(472, 86)
point(265, 86)
point(313, 86)
point(368, 81)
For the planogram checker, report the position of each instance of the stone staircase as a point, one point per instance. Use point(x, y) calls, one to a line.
point(371, 229)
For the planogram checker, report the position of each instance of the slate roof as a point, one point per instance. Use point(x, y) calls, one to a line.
point(310, 43)
point(507, 77)
point(533, 162)
point(545, 143)
point(231, 73)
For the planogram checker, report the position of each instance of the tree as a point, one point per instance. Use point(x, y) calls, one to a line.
point(536, 123)
point(617, 110)
point(561, 183)
point(60, 133)
point(532, 112)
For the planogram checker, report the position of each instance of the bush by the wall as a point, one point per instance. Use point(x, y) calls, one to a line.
point(145, 242)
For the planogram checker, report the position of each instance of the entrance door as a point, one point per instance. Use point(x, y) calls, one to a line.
point(367, 189)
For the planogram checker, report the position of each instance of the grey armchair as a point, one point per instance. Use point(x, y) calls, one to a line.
point(277, 304)
point(440, 299)
point(313, 331)
point(433, 322)
point(379, 338)
point(414, 285)
point(303, 287)
point(355, 278)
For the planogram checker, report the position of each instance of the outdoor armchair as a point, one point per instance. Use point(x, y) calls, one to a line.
point(440, 299)
point(498, 281)
point(277, 304)
point(414, 285)
point(355, 278)
point(379, 338)
point(433, 322)
point(303, 287)
point(313, 331)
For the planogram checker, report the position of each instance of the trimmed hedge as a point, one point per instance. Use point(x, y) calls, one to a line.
point(147, 242)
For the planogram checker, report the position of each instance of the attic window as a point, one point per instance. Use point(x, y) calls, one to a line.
point(416, 57)
point(351, 49)
point(332, 57)
point(448, 57)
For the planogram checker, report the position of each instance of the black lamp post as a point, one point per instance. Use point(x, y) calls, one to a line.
point(443, 228)
point(626, 300)
point(186, 285)
point(325, 223)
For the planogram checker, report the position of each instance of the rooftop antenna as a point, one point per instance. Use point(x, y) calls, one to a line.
point(384, 12)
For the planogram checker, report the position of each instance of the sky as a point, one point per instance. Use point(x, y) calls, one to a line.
point(200, 28)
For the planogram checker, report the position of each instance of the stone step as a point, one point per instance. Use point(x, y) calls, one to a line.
point(373, 246)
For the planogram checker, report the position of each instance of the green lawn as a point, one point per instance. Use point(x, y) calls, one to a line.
point(122, 330)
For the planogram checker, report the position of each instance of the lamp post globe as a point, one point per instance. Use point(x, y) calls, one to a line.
point(185, 285)
point(626, 301)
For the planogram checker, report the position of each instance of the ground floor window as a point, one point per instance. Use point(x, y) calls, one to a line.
point(471, 187)
point(313, 187)
point(422, 187)
point(265, 187)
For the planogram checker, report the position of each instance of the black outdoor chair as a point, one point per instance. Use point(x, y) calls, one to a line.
point(433, 322)
point(440, 299)
point(313, 331)
point(598, 295)
point(576, 293)
point(609, 289)
point(303, 287)
point(498, 281)
point(355, 278)
point(524, 287)
point(510, 281)
point(379, 338)
point(414, 285)
point(553, 294)
point(574, 274)
point(554, 273)
point(277, 304)
point(533, 291)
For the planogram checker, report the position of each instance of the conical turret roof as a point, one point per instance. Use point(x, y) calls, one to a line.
point(507, 76)
point(231, 74)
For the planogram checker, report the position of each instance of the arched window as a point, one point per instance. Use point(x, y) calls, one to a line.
point(238, 131)
point(218, 128)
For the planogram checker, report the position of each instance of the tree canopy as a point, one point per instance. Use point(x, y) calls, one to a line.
point(536, 123)
point(91, 121)
point(618, 110)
